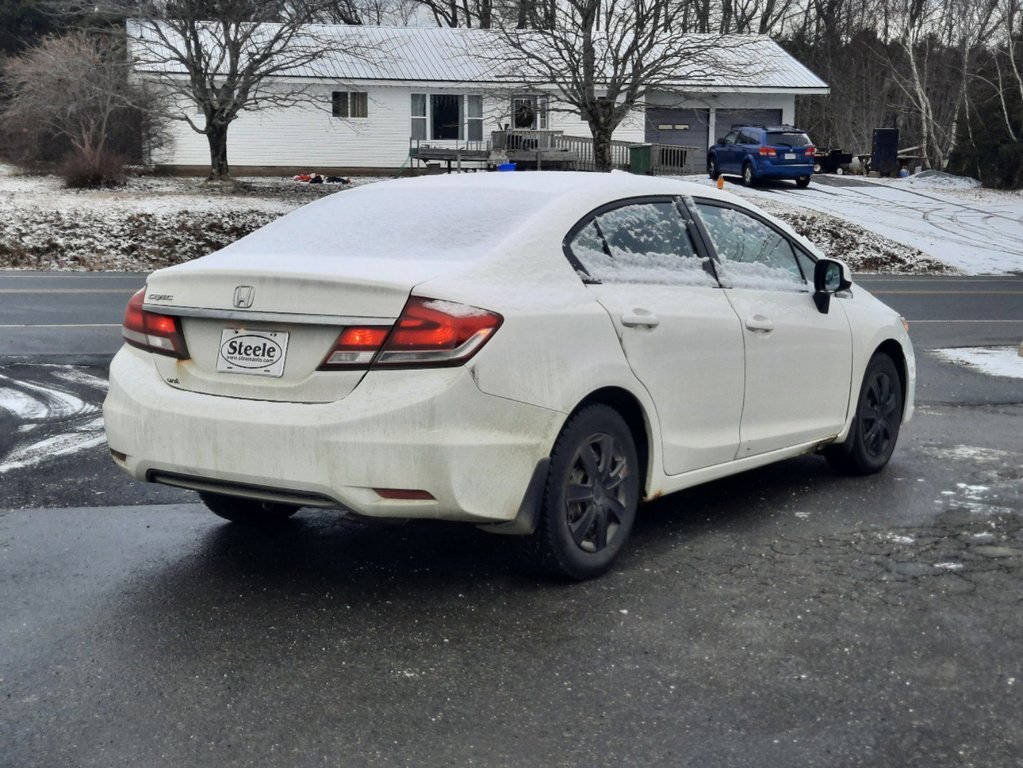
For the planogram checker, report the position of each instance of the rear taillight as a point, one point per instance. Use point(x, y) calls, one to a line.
point(356, 347)
point(768, 152)
point(810, 151)
point(152, 332)
point(428, 333)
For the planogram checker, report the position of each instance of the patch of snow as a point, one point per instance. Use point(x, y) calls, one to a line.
point(949, 566)
point(899, 539)
point(940, 180)
point(21, 404)
point(994, 361)
point(970, 453)
point(87, 435)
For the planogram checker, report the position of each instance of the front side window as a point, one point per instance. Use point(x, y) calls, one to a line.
point(645, 242)
point(751, 253)
point(346, 104)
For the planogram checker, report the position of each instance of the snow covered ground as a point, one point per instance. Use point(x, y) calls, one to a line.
point(950, 219)
point(149, 223)
point(994, 361)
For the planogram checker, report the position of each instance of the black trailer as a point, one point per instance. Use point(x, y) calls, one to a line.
point(828, 160)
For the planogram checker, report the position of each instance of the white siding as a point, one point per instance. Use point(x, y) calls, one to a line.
point(308, 136)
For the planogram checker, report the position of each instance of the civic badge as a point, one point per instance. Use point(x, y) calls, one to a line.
point(243, 296)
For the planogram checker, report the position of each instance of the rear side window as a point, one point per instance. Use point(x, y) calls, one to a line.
point(643, 242)
point(751, 253)
point(788, 139)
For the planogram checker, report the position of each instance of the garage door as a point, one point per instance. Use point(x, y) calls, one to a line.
point(681, 127)
point(724, 119)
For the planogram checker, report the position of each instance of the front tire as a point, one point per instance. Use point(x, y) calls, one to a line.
point(591, 496)
point(247, 511)
point(875, 426)
point(712, 169)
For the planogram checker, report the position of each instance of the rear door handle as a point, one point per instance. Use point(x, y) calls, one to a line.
point(640, 318)
point(759, 323)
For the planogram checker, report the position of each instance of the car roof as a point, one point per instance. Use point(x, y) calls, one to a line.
point(558, 185)
point(770, 128)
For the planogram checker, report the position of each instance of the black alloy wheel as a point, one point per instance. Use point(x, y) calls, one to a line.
point(247, 511)
point(875, 426)
point(591, 497)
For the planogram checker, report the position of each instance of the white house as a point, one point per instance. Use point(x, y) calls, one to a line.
point(440, 86)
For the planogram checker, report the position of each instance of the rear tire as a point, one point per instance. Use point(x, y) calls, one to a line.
point(712, 169)
point(875, 424)
point(590, 499)
point(748, 178)
point(247, 511)
point(803, 182)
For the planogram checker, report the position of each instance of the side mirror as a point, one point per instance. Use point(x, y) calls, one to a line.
point(829, 277)
point(721, 142)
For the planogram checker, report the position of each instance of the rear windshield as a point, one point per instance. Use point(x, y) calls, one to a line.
point(788, 139)
point(383, 221)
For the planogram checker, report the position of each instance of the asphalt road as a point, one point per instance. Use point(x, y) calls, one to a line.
point(784, 617)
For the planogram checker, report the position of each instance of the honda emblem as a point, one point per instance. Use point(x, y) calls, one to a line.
point(243, 296)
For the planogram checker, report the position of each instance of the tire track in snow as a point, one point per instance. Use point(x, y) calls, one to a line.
point(56, 416)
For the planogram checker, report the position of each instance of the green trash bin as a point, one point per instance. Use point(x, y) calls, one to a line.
point(640, 158)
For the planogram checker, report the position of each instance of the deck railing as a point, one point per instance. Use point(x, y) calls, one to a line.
point(523, 139)
point(665, 159)
point(582, 146)
point(670, 159)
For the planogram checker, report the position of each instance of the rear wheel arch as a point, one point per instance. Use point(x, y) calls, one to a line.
point(632, 411)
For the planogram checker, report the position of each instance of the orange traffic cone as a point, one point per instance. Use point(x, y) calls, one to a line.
point(721, 182)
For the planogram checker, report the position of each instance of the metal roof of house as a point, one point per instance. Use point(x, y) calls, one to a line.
point(447, 55)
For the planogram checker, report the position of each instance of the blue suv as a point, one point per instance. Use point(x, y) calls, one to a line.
point(758, 152)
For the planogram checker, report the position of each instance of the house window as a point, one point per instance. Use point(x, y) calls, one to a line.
point(419, 116)
point(529, 112)
point(447, 117)
point(474, 118)
point(347, 104)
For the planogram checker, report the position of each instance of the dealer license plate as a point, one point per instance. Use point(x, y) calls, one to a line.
point(790, 155)
point(257, 353)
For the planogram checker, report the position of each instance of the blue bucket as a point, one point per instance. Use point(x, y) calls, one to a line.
point(506, 167)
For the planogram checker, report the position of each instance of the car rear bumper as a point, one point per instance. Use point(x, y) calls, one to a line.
point(429, 430)
point(768, 170)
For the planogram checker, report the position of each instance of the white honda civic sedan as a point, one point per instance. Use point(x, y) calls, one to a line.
point(533, 353)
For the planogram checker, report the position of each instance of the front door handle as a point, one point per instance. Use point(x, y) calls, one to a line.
point(640, 318)
point(759, 323)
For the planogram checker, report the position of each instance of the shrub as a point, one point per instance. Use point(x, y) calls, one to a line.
point(88, 170)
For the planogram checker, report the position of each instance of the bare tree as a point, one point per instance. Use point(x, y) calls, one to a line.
point(230, 56)
point(74, 91)
point(604, 57)
point(939, 43)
